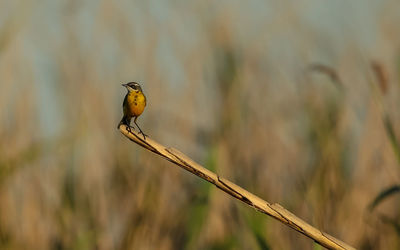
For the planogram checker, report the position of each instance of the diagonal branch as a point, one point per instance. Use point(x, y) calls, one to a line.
point(275, 210)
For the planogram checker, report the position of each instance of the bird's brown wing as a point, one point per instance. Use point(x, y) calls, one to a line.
point(125, 101)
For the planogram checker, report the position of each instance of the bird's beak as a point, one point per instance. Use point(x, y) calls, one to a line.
point(124, 85)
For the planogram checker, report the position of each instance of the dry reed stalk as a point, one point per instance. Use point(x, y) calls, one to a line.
point(329, 71)
point(381, 76)
point(275, 210)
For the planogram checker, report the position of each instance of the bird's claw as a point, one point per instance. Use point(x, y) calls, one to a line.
point(144, 135)
point(129, 128)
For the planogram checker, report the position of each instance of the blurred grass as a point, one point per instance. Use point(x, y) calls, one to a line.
point(386, 193)
point(226, 84)
point(198, 209)
point(392, 137)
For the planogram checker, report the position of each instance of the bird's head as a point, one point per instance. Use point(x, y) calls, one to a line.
point(132, 86)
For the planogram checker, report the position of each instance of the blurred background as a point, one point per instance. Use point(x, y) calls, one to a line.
point(296, 101)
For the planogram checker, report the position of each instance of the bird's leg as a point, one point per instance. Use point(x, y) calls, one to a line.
point(126, 121)
point(140, 131)
point(128, 128)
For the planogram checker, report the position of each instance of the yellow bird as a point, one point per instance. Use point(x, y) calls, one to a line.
point(133, 106)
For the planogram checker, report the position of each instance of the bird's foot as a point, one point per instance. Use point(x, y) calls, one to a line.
point(129, 128)
point(144, 135)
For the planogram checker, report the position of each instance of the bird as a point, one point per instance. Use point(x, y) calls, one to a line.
point(133, 106)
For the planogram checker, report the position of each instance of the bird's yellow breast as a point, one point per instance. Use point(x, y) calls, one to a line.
point(136, 103)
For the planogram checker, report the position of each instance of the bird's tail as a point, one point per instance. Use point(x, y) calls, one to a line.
point(124, 121)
